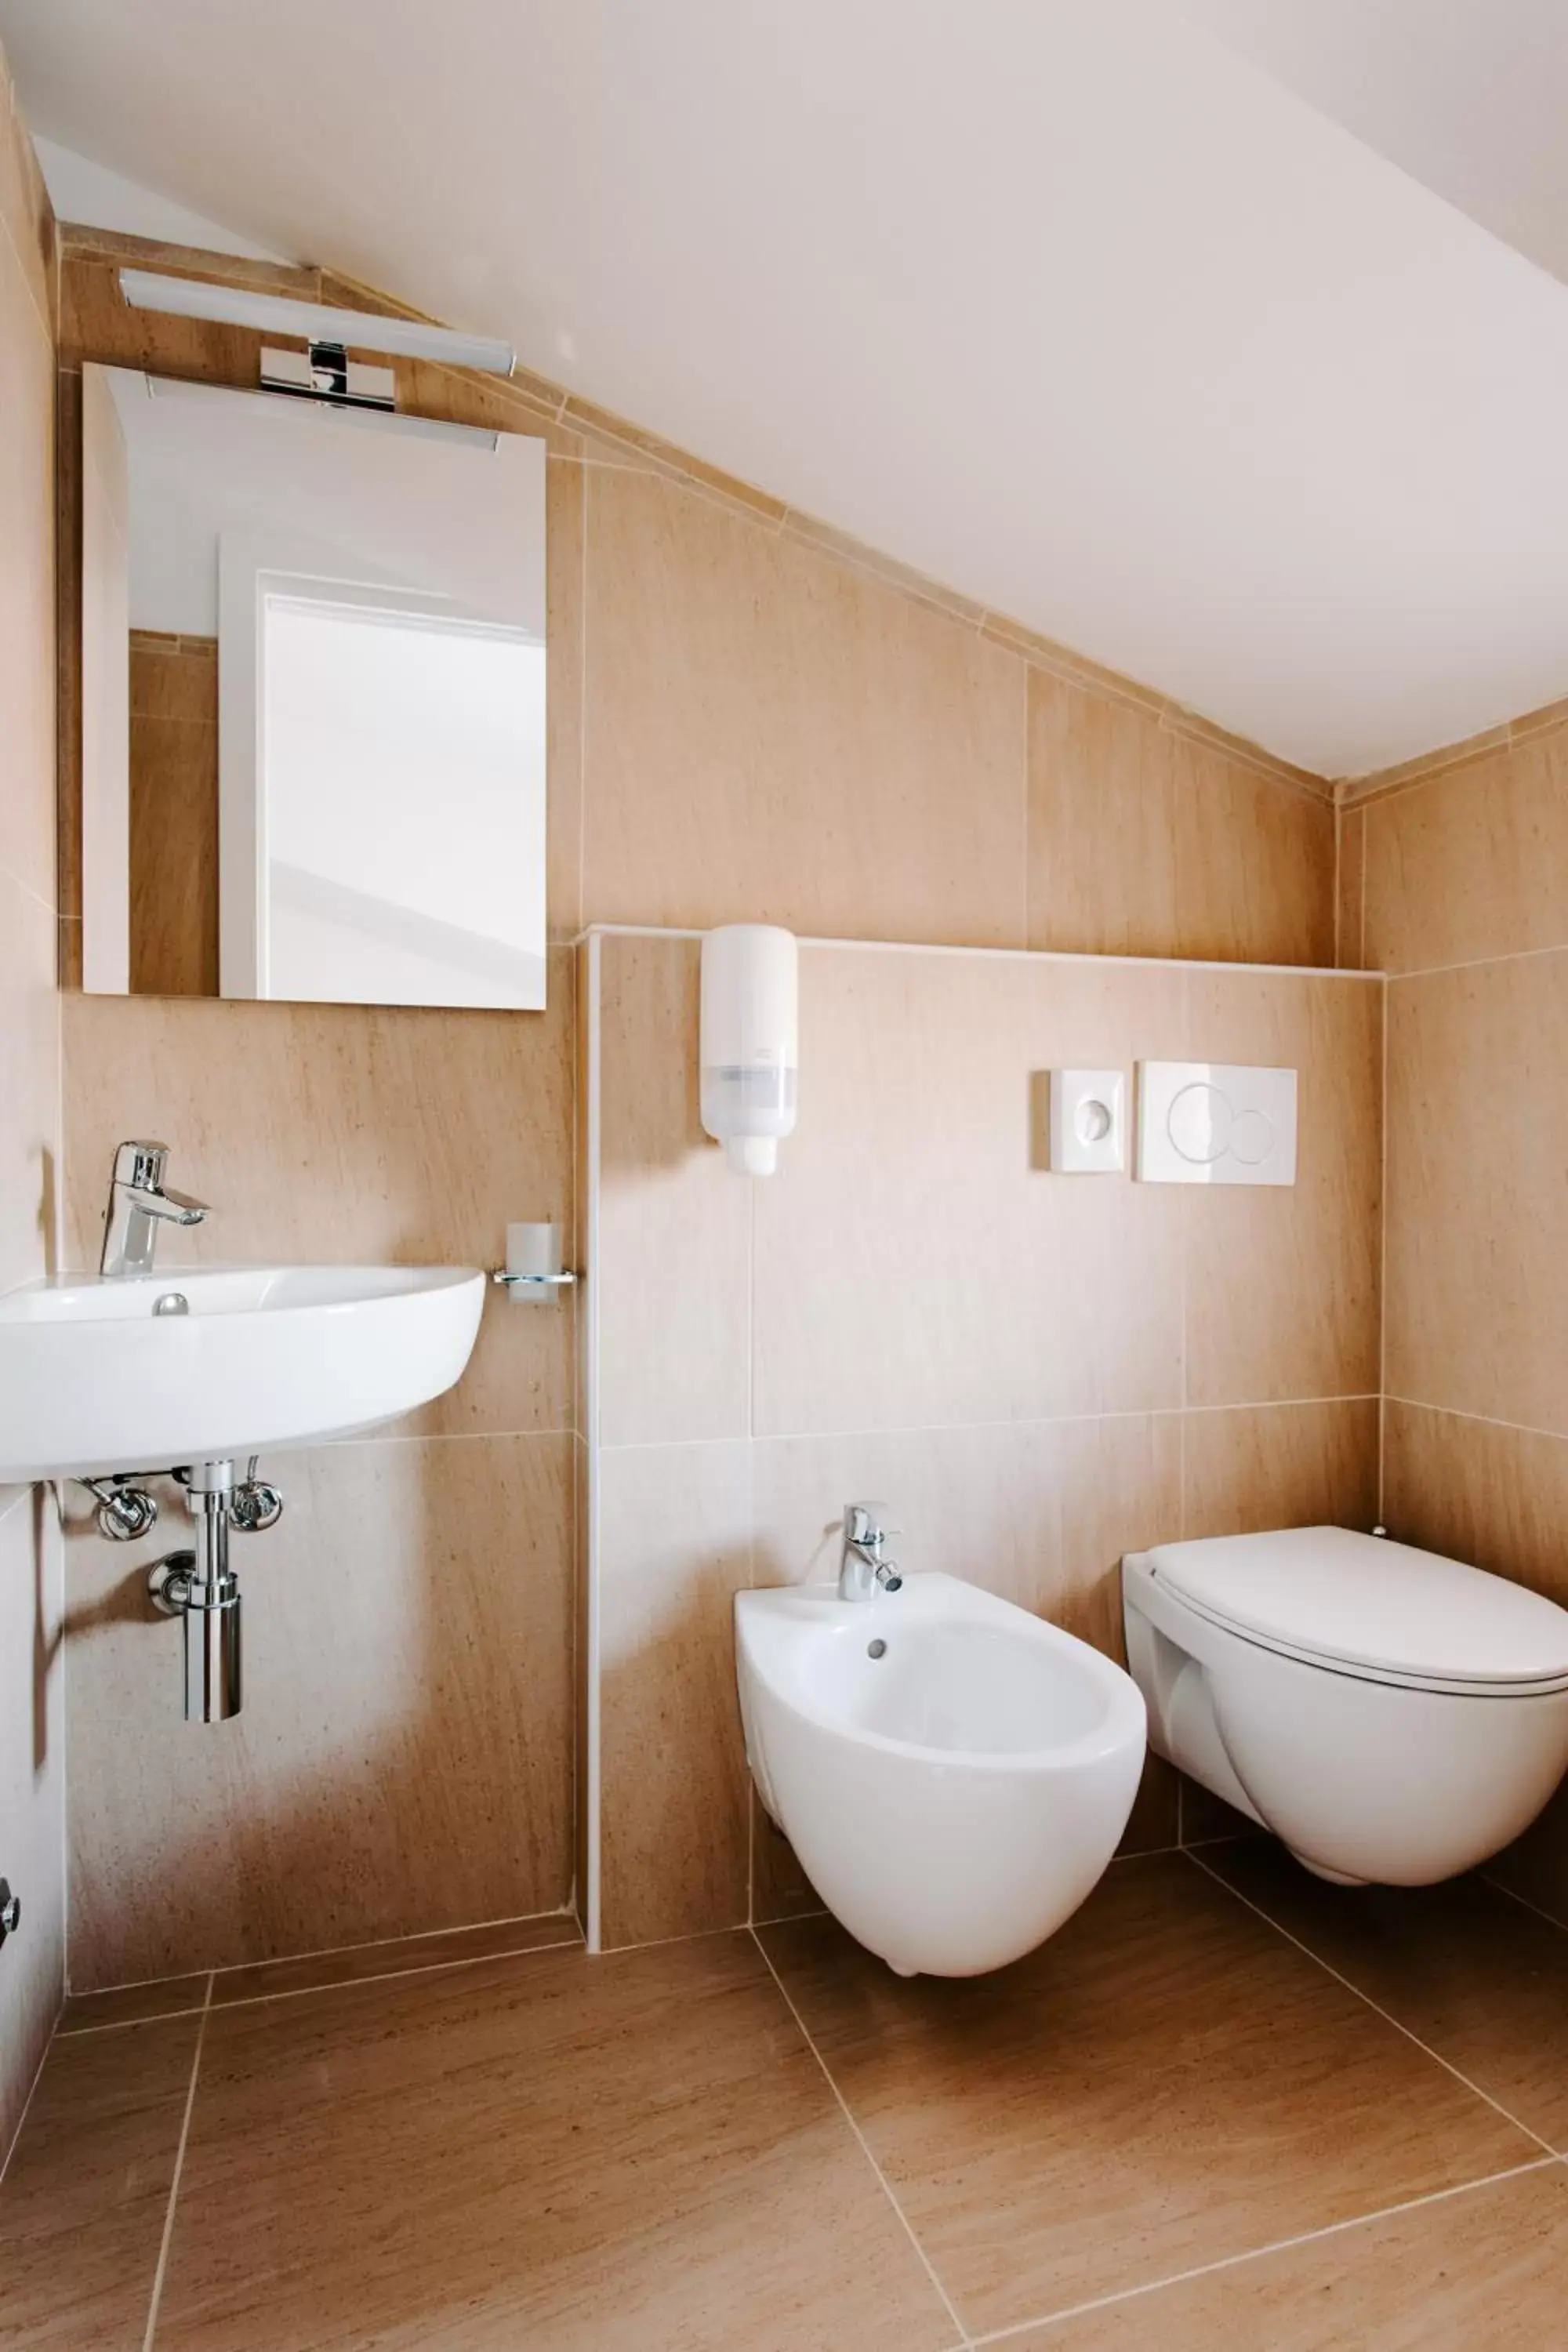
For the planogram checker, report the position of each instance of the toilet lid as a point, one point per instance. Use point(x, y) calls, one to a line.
point(1361, 1603)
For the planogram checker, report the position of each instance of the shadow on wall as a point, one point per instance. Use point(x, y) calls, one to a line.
point(403, 1762)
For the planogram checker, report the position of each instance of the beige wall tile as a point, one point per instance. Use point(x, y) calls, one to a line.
point(32, 1786)
point(1284, 1466)
point(1038, 1512)
point(32, 1728)
point(1282, 1283)
point(1144, 842)
point(403, 1762)
point(563, 518)
point(979, 1502)
point(675, 1221)
point(1498, 1498)
point(26, 574)
point(1120, 1485)
point(1479, 1491)
point(346, 1132)
point(1478, 1139)
point(173, 843)
point(914, 1199)
point(675, 1546)
point(1351, 888)
point(1254, 867)
point(27, 220)
point(773, 736)
point(1103, 824)
point(29, 1087)
point(1473, 864)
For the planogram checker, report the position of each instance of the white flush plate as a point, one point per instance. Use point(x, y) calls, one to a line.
point(1215, 1123)
point(1088, 1122)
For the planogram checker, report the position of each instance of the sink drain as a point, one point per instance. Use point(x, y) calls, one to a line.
point(876, 1649)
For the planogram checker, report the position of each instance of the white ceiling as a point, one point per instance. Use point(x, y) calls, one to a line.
point(1469, 97)
point(1064, 302)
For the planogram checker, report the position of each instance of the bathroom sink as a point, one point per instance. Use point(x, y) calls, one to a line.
point(198, 1364)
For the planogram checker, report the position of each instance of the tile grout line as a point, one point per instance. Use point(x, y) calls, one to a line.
point(1522, 1900)
point(1486, 1419)
point(331, 1952)
point(167, 2240)
point(1329, 1970)
point(27, 2105)
point(944, 1428)
point(1275, 2246)
point(331, 1984)
point(1477, 963)
point(965, 2338)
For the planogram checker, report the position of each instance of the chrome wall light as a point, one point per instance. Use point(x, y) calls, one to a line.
point(323, 372)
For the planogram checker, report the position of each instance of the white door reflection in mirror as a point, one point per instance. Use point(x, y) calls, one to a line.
point(391, 741)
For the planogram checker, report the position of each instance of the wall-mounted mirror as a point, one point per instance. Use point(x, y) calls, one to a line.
point(313, 743)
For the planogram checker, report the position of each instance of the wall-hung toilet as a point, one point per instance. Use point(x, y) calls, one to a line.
point(1391, 1714)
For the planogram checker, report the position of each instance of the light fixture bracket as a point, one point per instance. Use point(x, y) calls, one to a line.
point(325, 373)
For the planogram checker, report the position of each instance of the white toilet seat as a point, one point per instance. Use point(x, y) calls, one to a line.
point(1375, 1611)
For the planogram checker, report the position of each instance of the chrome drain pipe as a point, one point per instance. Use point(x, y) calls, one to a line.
point(201, 1587)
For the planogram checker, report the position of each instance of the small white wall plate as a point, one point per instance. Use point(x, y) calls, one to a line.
point(1088, 1122)
point(1215, 1123)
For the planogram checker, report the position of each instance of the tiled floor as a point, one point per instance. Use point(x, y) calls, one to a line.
point(1227, 2106)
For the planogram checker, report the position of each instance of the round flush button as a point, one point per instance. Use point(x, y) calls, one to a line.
point(1251, 1138)
point(1199, 1124)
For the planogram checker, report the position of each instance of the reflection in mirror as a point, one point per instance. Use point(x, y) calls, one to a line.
point(313, 738)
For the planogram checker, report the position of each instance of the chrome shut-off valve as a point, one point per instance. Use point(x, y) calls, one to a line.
point(255, 1506)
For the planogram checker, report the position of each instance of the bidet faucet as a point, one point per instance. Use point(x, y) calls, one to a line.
point(864, 1569)
point(138, 1205)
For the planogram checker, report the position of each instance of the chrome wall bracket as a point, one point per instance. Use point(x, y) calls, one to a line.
point(325, 373)
point(540, 1285)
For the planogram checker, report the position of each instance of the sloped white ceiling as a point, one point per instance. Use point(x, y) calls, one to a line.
point(1469, 97)
point(1064, 302)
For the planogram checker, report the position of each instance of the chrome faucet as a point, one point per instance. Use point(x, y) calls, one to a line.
point(864, 1569)
point(138, 1205)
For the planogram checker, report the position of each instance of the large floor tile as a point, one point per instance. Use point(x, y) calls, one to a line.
point(619, 2156)
point(1168, 2082)
point(1482, 1980)
point(1480, 2272)
point(84, 2200)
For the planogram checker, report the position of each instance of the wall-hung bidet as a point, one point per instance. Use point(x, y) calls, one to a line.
point(1391, 1714)
point(952, 1772)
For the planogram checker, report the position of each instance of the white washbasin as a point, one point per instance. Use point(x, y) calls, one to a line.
point(952, 1772)
point(92, 1378)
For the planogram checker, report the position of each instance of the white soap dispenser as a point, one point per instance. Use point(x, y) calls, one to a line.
point(750, 1048)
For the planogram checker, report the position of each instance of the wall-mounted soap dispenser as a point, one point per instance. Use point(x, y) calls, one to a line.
point(750, 1049)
